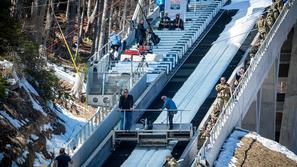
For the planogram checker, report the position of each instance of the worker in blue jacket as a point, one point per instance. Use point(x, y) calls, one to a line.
point(171, 109)
point(161, 4)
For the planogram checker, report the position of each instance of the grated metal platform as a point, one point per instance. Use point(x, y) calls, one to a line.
point(160, 135)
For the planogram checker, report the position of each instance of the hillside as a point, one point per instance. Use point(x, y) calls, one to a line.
point(33, 130)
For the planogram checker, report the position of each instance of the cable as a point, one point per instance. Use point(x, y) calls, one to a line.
point(36, 6)
point(65, 41)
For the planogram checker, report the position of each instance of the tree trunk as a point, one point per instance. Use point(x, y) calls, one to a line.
point(70, 19)
point(97, 30)
point(110, 24)
point(90, 16)
point(81, 22)
point(38, 12)
point(103, 25)
point(124, 15)
point(48, 23)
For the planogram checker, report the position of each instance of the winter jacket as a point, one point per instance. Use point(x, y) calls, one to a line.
point(169, 104)
point(115, 39)
point(126, 103)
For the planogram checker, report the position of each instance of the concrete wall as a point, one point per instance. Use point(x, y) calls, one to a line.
point(289, 121)
point(268, 102)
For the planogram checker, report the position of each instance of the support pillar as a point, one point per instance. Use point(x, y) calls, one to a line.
point(268, 103)
point(288, 135)
point(251, 118)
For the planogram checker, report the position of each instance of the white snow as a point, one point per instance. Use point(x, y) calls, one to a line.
point(1, 156)
point(67, 75)
point(23, 157)
point(226, 157)
point(46, 127)
point(28, 87)
point(14, 164)
point(36, 105)
point(199, 85)
point(72, 124)
point(272, 145)
point(40, 160)
point(14, 122)
point(229, 147)
point(34, 137)
point(147, 157)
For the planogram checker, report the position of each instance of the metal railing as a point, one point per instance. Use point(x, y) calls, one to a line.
point(87, 129)
point(227, 113)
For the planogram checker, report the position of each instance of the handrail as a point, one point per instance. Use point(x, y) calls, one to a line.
point(228, 108)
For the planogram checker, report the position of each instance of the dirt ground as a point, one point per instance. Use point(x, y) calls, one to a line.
point(253, 154)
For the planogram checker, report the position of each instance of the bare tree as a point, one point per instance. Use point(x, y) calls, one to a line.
point(110, 24)
point(103, 25)
point(48, 23)
point(98, 20)
point(70, 18)
point(38, 13)
point(91, 16)
point(81, 21)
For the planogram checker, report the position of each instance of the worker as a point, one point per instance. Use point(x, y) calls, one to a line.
point(126, 106)
point(223, 93)
point(171, 109)
point(261, 25)
point(170, 161)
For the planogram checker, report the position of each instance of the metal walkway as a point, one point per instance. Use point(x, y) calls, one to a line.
point(158, 136)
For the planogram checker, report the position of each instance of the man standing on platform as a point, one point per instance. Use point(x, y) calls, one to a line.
point(171, 109)
point(126, 106)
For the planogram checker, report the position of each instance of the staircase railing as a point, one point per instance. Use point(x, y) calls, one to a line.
point(235, 109)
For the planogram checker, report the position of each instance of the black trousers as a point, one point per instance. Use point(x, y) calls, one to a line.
point(170, 117)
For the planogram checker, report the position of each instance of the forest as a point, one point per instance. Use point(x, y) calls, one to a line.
point(34, 36)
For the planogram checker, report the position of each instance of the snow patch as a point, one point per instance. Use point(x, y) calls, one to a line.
point(1, 156)
point(72, 124)
point(272, 145)
point(40, 160)
point(34, 137)
point(46, 127)
point(22, 159)
point(28, 87)
point(226, 155)
point(36, 105)
point(17, 124)
point(14, 164)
